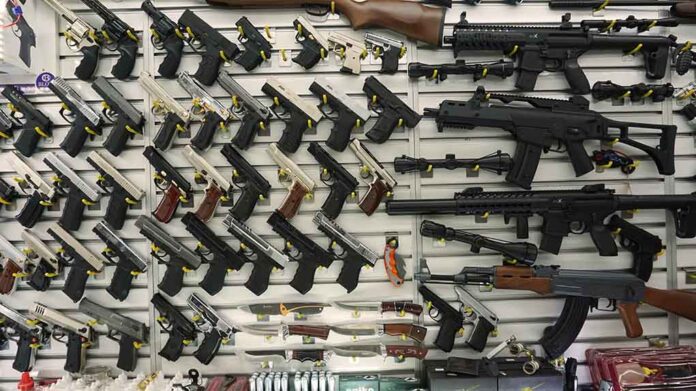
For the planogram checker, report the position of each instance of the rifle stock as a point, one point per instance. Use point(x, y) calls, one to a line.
point(412, 19)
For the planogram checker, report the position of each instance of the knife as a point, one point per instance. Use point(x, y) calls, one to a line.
point(400, 307)
point(284, 309)
point(413, 331)
point(398, 351)
point(313, 355)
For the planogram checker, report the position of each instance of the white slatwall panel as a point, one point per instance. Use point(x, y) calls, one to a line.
point(522, 314)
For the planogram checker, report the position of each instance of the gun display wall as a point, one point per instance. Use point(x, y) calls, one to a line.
point(212, 187)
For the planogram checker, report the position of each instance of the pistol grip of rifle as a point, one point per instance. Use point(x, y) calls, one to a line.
point(259, 278)
point(127, 353)
point(119, 135)
point(76, 281)
point(31, 211)
point(121, 282)
point(74, 359)
point(209, 66)
point(173, 347)
point(448, 330)
point(390, 61)
point(206, 209)
point(167, 206)
point(603, 240)
point(38, 279)
point(28, 139)
point(75, 139)
point(173, 278)
point(333, 205)
point(204, 138)
point(165, 135)
point(174, 48)
point(214, 279)
point(384, 127)
point(7, 278)
point(24, 359)
point(479, 335)
point(303, 281)
point(74, 208)
point(292, 134)
point(577, 80)
point(371, 200)
point(341, 131)
point(558, 338)
point(582, 163)
point(245, 204)
point(525, 164)
point(249, 127)
point(288, 208)
point(117, 208)
point(88, 65)
point(210, 346)
point(128, 50)
point(630, 319)
point(349, 275)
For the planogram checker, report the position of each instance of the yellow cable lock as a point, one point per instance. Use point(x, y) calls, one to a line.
point(601, 6)
point(635, 49)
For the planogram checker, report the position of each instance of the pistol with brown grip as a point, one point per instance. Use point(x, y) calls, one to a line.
point(7, 278)
point(375, 193)
point(168, 204)
point(210, 202)
point(290, 205)
point(175, 187)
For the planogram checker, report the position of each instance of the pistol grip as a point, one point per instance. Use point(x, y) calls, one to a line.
point(448, 331)
point(7, 278)
point(76, 281)
point(75, 354)
point(24, 359)
point(128, 50)
point(303, 281)
point(214, 279)
point(75, 140)
point(204, 138)
point(390, 61)
point(74, 208)
point(31, 211)
point(249, 127)
point(349, 275)
point(165, 135)
point(173, 347)
point(333, 205)
point(127, 353)
point(259, 278)
point(308, 57)
point(38, 279)
point(119, 135)
point(28, 139)
point(292, 201)
point(117, 207)
point(206, 209)
point(167, 207)
point(582, 164)
point(292, 134)
point(249, 59)
point(210, 346)
point(209, 66)
point(371, 200)
point(479, 335)
point(245, 204)
point(341, 131)
point(656, 62)
point(384, 127)
point(121, 282)
point(174, 48)
point(629, 316)
point(173, 278)
point(88, 65)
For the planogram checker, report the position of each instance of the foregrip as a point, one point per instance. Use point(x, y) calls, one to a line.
point(303, 281)
point(7, 277)
point(209, 347)
point(127, 353)
point(167, 206)
point(118, 137)
point(204, 138)
point(74, 208)
point(165, 134)
point(28, 140)
point(341, 131)
point(174, 48)
point(250, 125)
point(117, 207)
point(76, 281)
point(31, 211)
point(121, 282)
point(350, 272)
point(259, 278)
point(73, 361)
point(38, 280)
point(384, 127)
point(77, 136)
point(174, 346)
point(558, 338)
point(333, 205)
point(245, 204)
point(88, 65)
point(173, 278)
point(214, 279)
point(128, 50)
point(448, 330)
point(24, 359)
point(208, 67)
point(292, 134)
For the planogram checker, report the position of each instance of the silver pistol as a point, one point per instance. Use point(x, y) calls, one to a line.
point(175, 118)
point(383, 183)
point(254, 115)
point(215, 115)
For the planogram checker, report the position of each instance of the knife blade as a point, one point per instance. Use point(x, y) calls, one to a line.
point(400, 307)
point(284, 308)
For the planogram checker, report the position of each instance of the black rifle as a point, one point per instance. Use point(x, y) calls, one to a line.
point(603, 90)
point(181, 330)
point(480, 70)
point(497, 162)
point(631, 22)
point(519, 252)
point(218, 49)
point(563, 211)
point(534, 127)
point(393, 112)
point(680, 8)
point(644, 246)
point(332, 173)
point(300, 248)
point(222, 257)
point(26, 35)
point(254, 186)
point(557, 49)
point(127, 120)
point(167, 35)
point(685, 61)
point(258, 49)
point(35, 125)
point(122, 37)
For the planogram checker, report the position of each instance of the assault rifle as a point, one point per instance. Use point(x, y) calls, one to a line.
point(29, 336)
point(253, 185)
point(175, 118)
point(583, 288)
point(35, 125)
point(563, 211)
point(131, 333)
point(129, 264)
point(332, 173)
point(531, 125)
point(175, 187)
point(679, 8)
point(216, 330)
point(167, 35)
point(217, 187)
point(253, 115)
point(556, 49)
point(43, 195)
point(181, 330)
point(127, 120)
